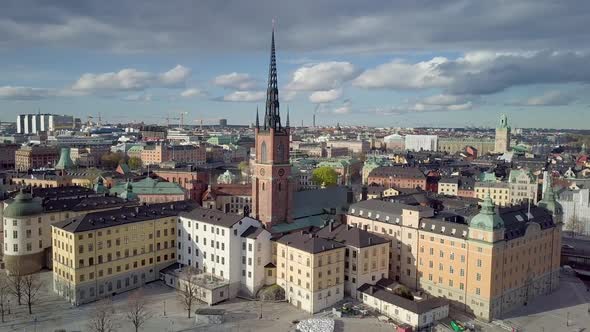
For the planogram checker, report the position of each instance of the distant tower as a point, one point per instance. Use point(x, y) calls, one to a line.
point(271, 185)
point(502, 142)
point(314, 120)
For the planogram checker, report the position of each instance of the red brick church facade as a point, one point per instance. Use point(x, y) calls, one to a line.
point(272, 188)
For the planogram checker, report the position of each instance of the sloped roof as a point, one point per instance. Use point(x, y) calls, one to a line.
point(150, 186)
point(352, 236)
point(418, 307)
point(314, 202)
point(309, 243)
point(212, 216)
point(124, 215)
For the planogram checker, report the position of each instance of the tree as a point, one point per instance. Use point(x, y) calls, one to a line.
point(137, 312)
point(575, 225)
point(4, 293)
point(403, 291)
point(101, 317)
point(112, 159)
point(31, 286)
point(15, 281)
point(188, 288)
point(325, 176)
point(134, 163)
point(244, 166)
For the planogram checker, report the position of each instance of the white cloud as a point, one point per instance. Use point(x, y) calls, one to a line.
point(146, 97)
point(399, 74)
point(192, 92)
point(322, 76)
point(244, 96)
point(479, 73)
point(25, 93)
point(328, 96)
point(444, 99)
point(238, 81)
point(130, 79)
point(288, 95)
point(549, 98)
point(345, 109)
point(175, 76)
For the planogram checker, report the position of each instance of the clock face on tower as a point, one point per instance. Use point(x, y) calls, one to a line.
point(281, 172)
point(262, 171)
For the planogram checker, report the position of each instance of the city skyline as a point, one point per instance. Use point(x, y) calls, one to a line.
point(398, 65)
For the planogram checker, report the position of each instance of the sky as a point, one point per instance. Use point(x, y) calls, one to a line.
point(382, 63)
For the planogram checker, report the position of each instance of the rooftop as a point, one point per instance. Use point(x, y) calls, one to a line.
point(212, 216)
point(418, 307)
point(309, 243)
point(352, 236)
point(122, 216)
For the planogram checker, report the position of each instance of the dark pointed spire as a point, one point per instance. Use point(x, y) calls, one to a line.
point(272, 117)
point(287, 123)
point(257, 119)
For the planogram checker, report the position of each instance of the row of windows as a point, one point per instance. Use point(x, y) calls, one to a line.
point(28, 233)
point(29, 246)
point(109, 285)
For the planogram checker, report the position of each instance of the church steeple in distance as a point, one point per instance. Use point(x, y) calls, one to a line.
point(272, 118)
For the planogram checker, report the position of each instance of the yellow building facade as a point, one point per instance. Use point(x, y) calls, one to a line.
point(105, 253)
point(311, 271)
point(498, 191)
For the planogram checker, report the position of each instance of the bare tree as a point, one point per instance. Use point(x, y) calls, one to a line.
point(4, 293)
point(187, 288)
point(15, 281)
point(575, 225)
point(137, 311)
point(31, 284)
point(101, 317)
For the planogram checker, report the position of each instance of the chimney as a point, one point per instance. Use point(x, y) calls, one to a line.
point(364, 193)
point(370, 240)
point(349, 195)
point(331, 225)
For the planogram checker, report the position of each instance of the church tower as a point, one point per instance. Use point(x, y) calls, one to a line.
point(502, 142)
point(272, 194)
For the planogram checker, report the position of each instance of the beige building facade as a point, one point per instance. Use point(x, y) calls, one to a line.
point(498, 191)
point(488, 265)
point(310, 270)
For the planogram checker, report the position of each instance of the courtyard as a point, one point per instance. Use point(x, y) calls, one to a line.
point(566, 309)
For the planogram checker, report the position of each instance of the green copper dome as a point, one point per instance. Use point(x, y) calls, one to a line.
point(128, 193)
point(549, 201)
point(99, 187)
point(23, 205)
point(65, 162)
point(487, 219)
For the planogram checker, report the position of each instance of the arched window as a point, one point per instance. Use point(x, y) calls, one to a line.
point(263, 152)
point(279, 186)
point(262, 185)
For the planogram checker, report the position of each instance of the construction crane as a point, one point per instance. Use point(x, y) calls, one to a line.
point(168, 118)
point(182, 114)
point(200, 121)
